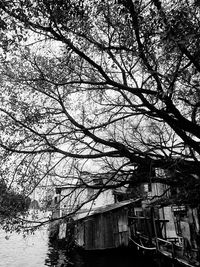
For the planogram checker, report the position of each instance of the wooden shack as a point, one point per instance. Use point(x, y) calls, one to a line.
point(103, 228)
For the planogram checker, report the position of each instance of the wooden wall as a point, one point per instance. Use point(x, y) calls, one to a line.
point(105, 230)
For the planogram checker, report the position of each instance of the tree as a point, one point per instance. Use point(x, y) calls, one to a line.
point(12, 208)
point(118, 94)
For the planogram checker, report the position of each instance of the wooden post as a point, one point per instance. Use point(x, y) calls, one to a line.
point(154, 226)
point(173, 251)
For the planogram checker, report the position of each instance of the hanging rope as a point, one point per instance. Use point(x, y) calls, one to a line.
point(143, 247)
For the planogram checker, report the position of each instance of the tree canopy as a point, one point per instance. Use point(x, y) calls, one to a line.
point(95, 86)
point(12, 208)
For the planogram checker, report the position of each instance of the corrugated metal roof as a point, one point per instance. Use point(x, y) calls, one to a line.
point(91, 212)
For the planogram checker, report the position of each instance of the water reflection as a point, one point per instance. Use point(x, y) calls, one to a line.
point(57, 256)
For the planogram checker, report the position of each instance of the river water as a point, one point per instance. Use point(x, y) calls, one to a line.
point(36, 251)
point(19, 251)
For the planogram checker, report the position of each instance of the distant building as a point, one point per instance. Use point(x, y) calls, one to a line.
point(34, 205)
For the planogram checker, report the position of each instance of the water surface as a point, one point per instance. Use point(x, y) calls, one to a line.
point(19, 251)
point(35, 250)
